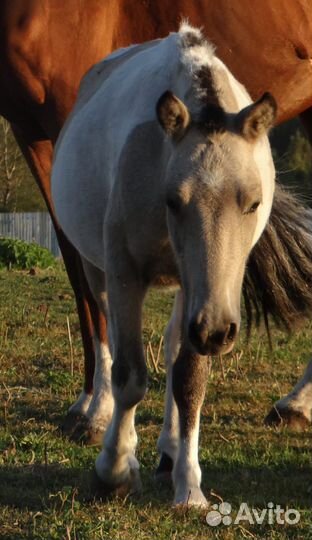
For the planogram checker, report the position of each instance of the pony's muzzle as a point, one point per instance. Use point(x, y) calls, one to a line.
point(212, 341)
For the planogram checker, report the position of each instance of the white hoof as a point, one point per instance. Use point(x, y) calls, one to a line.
point(130, 485)
point(190, 497)
point(121, 477)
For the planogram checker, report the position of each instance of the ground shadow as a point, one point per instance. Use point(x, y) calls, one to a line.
point(35, 487)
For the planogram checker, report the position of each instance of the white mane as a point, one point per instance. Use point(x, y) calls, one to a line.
point(204, 71)
point(198, 61)
point(196, 51)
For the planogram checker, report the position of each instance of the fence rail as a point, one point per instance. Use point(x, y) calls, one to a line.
point(31, 227)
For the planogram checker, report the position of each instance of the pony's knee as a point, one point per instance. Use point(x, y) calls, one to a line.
point(129, 383)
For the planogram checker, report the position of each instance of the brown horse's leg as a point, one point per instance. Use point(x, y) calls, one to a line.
point(38, 154)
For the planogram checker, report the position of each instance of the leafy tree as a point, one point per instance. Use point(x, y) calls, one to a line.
point(18, 190)
point(10, 167)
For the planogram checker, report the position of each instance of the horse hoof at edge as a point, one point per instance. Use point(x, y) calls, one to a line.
point(287, 417)
point(80, 429)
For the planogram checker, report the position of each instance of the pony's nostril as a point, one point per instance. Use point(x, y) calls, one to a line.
point(232, 331)
point(213, 341)
point(198, 331)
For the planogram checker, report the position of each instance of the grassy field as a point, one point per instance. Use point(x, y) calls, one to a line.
point(45, 490)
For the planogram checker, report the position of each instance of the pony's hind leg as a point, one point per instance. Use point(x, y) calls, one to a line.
point(116, 465)
point(294, 410)
point(169, 437)
point(189, 385)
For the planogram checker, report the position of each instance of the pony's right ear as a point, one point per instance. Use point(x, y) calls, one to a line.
point(173, 115)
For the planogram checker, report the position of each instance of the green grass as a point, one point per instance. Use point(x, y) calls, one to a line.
point(45, 479)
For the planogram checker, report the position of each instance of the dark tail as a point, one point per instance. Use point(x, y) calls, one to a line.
point(278, 280)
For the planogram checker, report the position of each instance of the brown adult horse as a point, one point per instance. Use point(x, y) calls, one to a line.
point(46, 46)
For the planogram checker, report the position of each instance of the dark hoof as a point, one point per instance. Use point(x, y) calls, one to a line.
point(286, 417)
point(71, 422)
point(164, 469)
point(132, 486)
point(77, 428)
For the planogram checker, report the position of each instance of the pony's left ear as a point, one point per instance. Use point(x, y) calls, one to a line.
point(256, 119)
point(173, 115)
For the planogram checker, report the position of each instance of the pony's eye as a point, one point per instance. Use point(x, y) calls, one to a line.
point(252, 209)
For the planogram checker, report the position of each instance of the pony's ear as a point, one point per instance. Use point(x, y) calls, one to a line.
point(173, 115)
point(256, 119)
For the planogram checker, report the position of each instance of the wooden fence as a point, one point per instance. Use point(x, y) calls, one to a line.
point(31, 227)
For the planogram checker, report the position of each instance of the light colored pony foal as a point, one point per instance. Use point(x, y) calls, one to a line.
point(163, 174)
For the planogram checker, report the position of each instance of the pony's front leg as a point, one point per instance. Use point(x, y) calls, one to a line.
point(189, 385)
point(168, 441)
point(116, 465)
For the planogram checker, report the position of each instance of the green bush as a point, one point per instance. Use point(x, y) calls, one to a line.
point(21, 255)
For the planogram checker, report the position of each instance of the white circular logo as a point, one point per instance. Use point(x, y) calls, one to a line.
point(219, 514)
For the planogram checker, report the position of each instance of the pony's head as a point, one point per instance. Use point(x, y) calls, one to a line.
point(219, 192)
